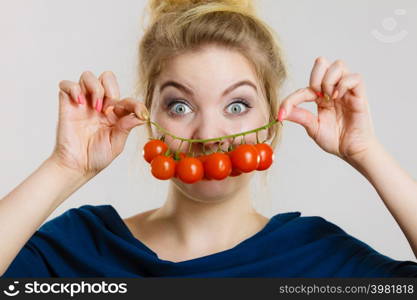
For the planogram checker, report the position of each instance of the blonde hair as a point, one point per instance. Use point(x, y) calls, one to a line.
point(177, 26)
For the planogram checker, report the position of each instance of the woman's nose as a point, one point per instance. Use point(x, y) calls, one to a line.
point(209, 147)
point(208, 130)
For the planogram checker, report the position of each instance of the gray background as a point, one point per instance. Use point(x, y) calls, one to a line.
point(43, 42)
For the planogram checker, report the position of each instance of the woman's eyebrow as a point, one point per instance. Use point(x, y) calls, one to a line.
point(190, 92)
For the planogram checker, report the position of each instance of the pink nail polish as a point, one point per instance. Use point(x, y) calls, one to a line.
point(79, 99)
point(99, 104)
point(281, 114)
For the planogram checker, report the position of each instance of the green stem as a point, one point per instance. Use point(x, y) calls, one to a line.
point(189, 148)
point(213, 139)
point(231, 145)
point(179, 147)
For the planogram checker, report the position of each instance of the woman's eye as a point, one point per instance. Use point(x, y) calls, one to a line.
point(238, 107)
point(179, 108)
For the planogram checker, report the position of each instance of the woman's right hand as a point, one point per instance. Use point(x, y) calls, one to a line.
point(93, 123)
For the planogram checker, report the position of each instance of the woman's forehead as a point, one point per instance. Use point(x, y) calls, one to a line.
point(208, 64)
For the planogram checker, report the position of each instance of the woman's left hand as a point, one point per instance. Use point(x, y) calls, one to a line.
point(343, 126)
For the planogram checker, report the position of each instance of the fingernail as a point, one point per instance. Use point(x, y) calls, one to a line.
point(326, 97)
point(335, 94)
point(281, 114)
point(81, 99)
point(319, 94)
point(144, 115)
point(98, 105)
point(108, 109)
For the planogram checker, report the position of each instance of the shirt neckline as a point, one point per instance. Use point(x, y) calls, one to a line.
point(128, 234)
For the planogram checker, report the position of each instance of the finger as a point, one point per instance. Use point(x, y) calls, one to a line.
point(73, 89)
point(333, 74)
point(130, 105)
point(92, 87)
point(110, 114)
point(128, 122)
point(351, 82)
point(317, 74)
point(65, 99)
point(299, 96)
point(305, 118)
point(122, 129)
point(124, 123)
point(111, 89)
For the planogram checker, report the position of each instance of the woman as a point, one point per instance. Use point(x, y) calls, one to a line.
point(207, 69)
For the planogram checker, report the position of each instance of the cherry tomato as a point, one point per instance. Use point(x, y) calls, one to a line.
point(153, 148)
point(266, 154)
point(190, 170)
point(176, 168)
point(245, 158)
point(203, 158)
point(217, 166)
point(235, 172)
point(181, 155)
point(163, 167)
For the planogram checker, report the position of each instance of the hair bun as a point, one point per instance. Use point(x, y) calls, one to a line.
point(157, 8)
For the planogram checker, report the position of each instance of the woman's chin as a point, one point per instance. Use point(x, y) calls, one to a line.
point(209, 190)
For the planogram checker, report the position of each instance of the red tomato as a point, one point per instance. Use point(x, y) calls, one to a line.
point(203, 158)
point(190, 170)
point(181, 155)
point(153, 148)
point(266, 154)
point(245, 158)
point(163, 167)
point(176, 168)
point(217, 166)
point(235, 172)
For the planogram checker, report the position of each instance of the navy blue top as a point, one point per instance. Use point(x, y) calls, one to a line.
point(93, 241)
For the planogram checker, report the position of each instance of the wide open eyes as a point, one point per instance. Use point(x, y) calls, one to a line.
point(180, 107)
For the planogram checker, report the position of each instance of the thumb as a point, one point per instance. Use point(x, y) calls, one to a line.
point(290, 111)
point(121, 130)
point(126, 123)
point(305, 118)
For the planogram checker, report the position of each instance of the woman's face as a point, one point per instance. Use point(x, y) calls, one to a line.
point(197, 96)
